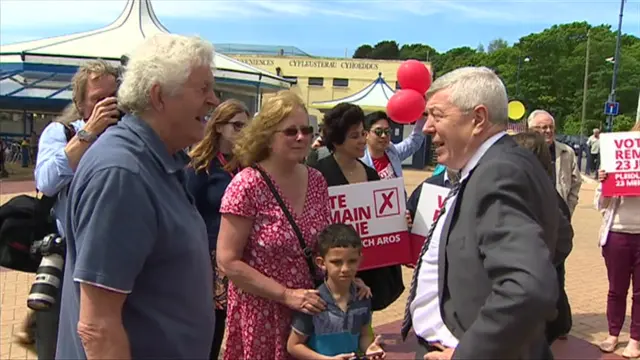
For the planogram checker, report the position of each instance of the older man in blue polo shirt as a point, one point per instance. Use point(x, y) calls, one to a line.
point(138, 274)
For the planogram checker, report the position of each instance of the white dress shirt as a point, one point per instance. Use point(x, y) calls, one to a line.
point(425, 308)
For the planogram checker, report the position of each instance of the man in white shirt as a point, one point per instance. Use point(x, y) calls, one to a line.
point(484, 286)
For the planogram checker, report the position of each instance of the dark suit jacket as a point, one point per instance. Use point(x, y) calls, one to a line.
point(497, 284)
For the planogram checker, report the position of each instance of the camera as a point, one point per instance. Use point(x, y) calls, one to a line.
point(46, 286)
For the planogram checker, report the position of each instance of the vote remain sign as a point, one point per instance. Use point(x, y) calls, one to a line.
point(430, 203)
point(376, 209)
point(620, 158)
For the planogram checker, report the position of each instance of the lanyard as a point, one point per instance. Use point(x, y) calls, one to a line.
point(224, 163)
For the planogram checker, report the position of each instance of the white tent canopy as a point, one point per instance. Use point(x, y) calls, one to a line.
point(374, 97)
point(137, 22)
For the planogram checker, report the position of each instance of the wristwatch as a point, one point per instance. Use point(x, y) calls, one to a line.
point(85, 136)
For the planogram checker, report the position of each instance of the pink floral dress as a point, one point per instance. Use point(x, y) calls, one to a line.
point(258, 328)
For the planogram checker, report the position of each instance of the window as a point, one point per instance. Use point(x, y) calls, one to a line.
point(398, 86)
point(340, 82)
point(316, 81)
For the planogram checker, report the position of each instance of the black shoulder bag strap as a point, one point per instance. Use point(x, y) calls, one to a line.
point(306, 251)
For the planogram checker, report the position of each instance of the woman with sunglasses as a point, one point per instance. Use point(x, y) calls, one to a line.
point(258, 248)
point(383, 155)
point(345, 136)
point(207, 180)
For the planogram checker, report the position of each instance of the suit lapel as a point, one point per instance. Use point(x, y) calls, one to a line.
point(449, 219)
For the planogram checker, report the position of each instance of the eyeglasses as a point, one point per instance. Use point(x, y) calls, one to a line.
point(237, 125)
point(294, 131)
point(544, 128)
point(381, 131)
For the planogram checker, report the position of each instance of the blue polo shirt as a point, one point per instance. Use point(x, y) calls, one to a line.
point(334, 331)
point(132, 227)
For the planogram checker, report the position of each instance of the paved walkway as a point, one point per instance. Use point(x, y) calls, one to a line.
point(586, 286)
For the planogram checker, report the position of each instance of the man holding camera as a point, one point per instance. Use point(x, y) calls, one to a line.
point(61, 146)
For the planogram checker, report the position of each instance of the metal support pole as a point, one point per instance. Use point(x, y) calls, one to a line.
point(638, 111)
point(616, 64)
point(518, 76)
point(585, 85)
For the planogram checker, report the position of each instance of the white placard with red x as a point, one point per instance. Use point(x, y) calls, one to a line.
point(376, 209)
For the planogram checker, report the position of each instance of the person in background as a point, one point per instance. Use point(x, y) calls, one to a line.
point(593, 144)
point(383, 155)
point(620, 242)
point(93, 109)
point(258, 248)
point(345, 137)
point(342, 329)
point(138, 280)
point(207, 180)
point(561, 325)
point(565, 173)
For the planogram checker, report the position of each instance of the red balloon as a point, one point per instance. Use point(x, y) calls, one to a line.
point(414, 75)
point(406, 106)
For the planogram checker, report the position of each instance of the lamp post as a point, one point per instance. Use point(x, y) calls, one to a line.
point(585, 85)
point(616, 63)
point(520, 59)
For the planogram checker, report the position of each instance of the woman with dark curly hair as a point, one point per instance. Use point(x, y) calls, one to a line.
point(345, 136)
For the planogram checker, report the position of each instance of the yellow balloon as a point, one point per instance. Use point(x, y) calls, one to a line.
point(516, 110)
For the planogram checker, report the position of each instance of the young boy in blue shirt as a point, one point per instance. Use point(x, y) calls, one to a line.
point(341, 331)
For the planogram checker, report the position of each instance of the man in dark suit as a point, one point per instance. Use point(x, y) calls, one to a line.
point(485, 285)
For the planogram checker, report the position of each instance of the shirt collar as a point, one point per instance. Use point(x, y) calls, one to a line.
point(327, 296)
point(471, 164)
point(170, 162)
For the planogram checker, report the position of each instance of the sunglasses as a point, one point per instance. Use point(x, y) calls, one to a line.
point(294, 131)
point(237, 125)
point(380, 131)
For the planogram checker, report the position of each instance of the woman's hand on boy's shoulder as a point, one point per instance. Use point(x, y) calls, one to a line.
point(364, 292)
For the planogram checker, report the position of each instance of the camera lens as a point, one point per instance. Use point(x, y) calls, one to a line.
point(45, 288)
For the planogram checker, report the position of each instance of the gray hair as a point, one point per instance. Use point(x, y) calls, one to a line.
point(539, 112)
point(473, 86)
point(164, 59)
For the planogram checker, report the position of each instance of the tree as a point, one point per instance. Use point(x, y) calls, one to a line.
point(417, 51)
point(386, 50)
point(480, 48)
point(363, 52)
point(497, 44)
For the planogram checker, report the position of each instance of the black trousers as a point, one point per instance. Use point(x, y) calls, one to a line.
point(218, 335)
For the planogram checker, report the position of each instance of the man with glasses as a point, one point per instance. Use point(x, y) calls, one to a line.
point(566, 175)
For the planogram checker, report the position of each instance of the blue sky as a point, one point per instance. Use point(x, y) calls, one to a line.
point(322, 27)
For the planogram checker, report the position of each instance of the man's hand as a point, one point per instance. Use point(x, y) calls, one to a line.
point(443, 353)
point(104, 114)
point(602, 175)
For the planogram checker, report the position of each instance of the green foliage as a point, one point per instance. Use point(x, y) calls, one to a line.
point(546, 70)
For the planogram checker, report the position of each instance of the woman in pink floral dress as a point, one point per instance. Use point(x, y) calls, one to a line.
point(257, 247)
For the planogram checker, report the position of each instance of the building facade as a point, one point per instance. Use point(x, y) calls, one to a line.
point(323, 79)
